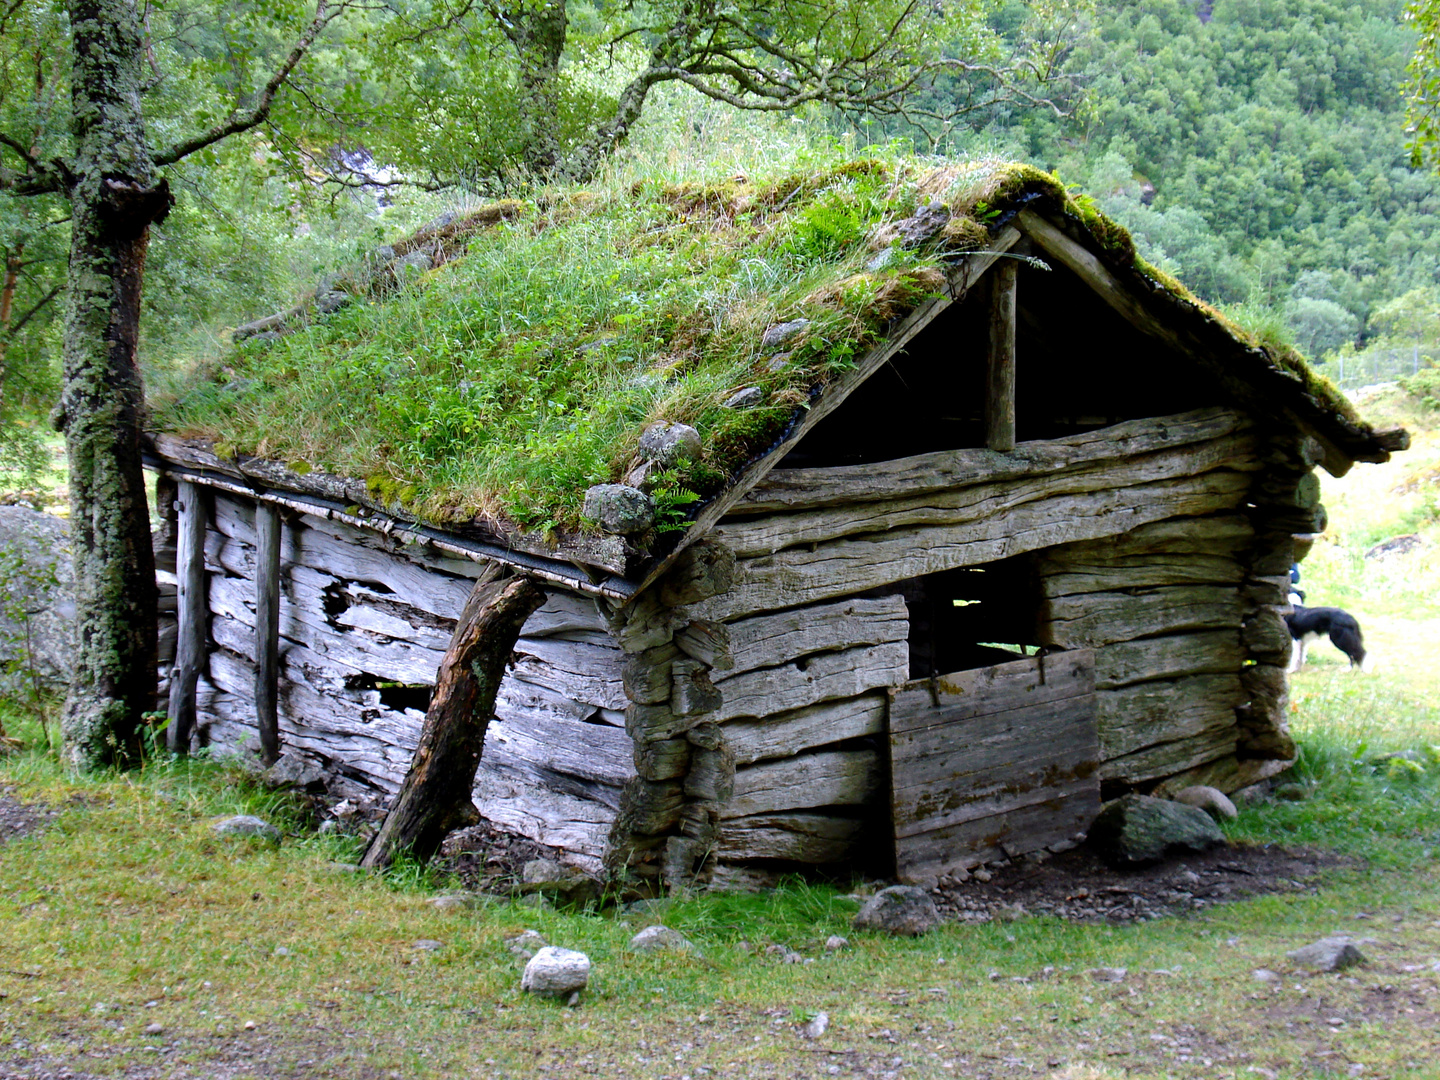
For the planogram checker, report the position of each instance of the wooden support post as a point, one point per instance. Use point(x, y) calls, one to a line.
point(193, 611)
point(1000, 374)
point(435, 797)
point(267, 629)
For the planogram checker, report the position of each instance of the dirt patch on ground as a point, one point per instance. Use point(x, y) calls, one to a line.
point(1077, 885)
point(19, 819)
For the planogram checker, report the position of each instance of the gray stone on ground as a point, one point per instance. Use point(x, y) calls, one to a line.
point(554, 972)
point(454, 902)
point(670, 444)
point(817, 1026)
point(745, 398)
point(331, 302)
point(42, 587)
point(619, 509)
point(781, 333)
point(562, 884)
point(428, 945)
point(1136, 830)
point(1108, 974)
point(1396, 545)
point(902, 910)
point(413, 264)
point(834, 943)
point(246, 826)
point(525, 944)
point(293, 770)
point(657, 938)
point(1328, 954)
point(1212, 800)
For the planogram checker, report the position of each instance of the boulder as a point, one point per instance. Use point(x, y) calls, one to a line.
point(669, 445)
point(35, 583)
point(561, 884)
point(619, 509)
point(246, 826)
point(925, 224)
point(554, 972)
point(902, 910)
point(292, 770)
point(657, 938)
point(1212, 800)
point(1136, 830)
point(1328, 954)
point(744, 398)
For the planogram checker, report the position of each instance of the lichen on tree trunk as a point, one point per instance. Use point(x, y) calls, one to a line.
point(115, 196)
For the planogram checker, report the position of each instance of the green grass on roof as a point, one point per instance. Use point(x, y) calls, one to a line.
point(525, 368)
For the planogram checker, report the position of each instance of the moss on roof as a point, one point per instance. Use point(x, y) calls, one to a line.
point(525, 365)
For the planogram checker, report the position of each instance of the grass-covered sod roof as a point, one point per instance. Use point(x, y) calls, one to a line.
point(524, 368)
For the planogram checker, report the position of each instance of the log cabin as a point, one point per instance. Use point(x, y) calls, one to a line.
point(973, 521)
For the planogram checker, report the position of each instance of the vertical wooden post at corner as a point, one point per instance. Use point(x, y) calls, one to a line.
point(267, 629)
point(1000, 369)
point(192, 612)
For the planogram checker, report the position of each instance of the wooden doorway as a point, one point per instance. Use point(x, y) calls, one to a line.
point(992, 763)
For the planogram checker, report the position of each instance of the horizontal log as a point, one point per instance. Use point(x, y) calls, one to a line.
point(805, 838)
point(1226, 773)
point(712, 775)
point(1169, 758)
point(930, 703)
point(768, 640)
point(1206, 652)
point(1097, 619)
point(796, 489)
point(594, 752)
point(796, 577)
point(1137, 571)
point(572, 669)
point(1150, 713)
point(512, 801)
point(707, 642)
point(810, 680)
point(827, 778)
point(1224, 535)
point(967, 506)
point(787, 733)
point(692, 692)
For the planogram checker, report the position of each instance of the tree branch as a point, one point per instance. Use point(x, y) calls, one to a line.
point(238, 122)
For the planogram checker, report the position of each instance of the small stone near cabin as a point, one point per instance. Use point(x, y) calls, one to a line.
point(925, 224)
point(744, 399)
point(619, 509)
point(1328, 954)
point(834, 943)
point(331, 302)
point(780, 333)
point(1108, 974)
point(902, 910)
point(817, 1026)
point(1136, 830)
point(670, 444)
point(1212, 800)
point(292, 770)
point(454, 902)
point(415, 263)
point(246, 826)
point(1396, 545)
point(428, 945)
point(525, 944)
point(561, 884)
point(657, 938)
point(554, 972)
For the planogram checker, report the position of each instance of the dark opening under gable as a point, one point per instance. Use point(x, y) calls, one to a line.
point(1080, 366)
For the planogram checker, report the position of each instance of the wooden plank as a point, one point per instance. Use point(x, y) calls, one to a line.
point(788, 733)
point(985, 501)
point(1169, 758)
point(769, 640)
point(1000, 360)
point(579, 671)
point(927, 703)
point(959, 280)
point(806, 838)
point(827, 778)
point(1136, 571)
point(809, 680)
point(1206, 652)
point(267, 629)
point(800, 576)
point(789, 490)
point(193, 608)
point(994, 760)
point(1217, 534)
point(924, 858)
point(595, 752)
point(1104, 618)
point(574, 824)
point(1149, 713)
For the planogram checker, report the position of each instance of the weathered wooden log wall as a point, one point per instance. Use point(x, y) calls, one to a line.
point(364, 617)
point(815, 645)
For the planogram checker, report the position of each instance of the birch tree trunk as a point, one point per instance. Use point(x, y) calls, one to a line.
point(115, 195)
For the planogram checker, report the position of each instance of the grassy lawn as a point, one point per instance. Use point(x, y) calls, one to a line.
point(135, 943)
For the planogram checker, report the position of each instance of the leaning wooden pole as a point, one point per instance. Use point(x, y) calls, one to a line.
point(192, 610)
point(1000, 376)
point(267, 630)
point(435, 796)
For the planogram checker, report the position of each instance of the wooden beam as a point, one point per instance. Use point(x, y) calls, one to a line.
point(267, 629)
point(193, 611)
point(1000, 370)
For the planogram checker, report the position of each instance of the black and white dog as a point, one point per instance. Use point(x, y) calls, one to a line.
point(1309, 624)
